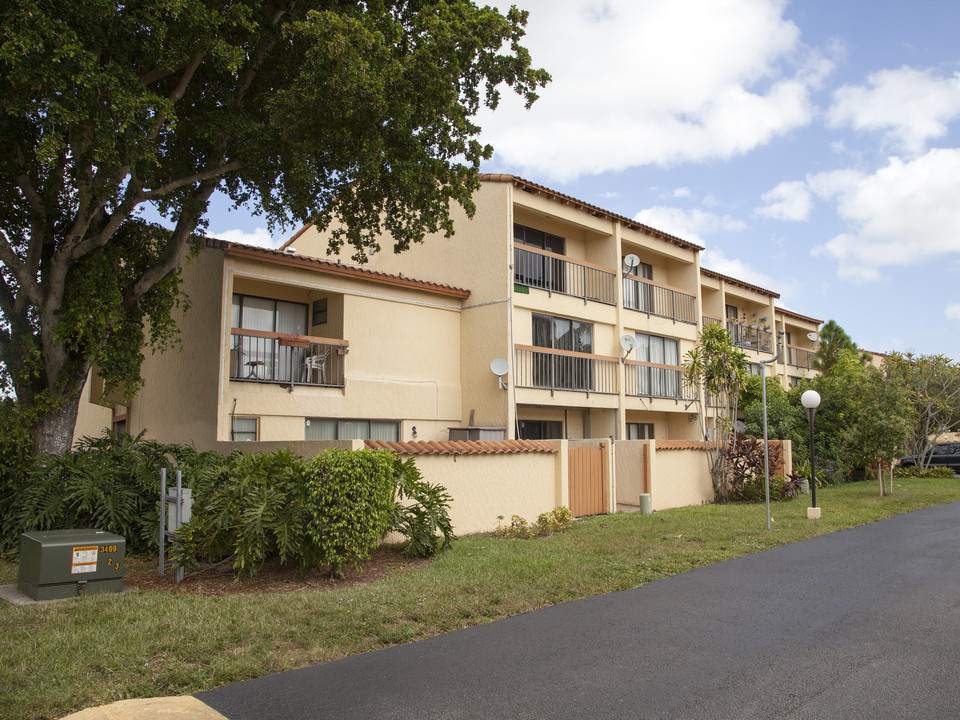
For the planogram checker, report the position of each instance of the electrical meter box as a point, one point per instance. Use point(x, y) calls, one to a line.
point(66, 563)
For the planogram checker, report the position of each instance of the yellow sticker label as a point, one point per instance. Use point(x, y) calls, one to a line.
point(84, 559)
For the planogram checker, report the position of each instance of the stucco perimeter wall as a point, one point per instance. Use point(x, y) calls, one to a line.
point(486, 486)
point(679, 477)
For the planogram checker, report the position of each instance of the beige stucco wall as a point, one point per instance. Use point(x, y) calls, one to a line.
point(485, 486)
point(631, 479)
point(680, 478)
point(92, 418)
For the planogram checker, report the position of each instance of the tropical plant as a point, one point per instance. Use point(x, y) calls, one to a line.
point(425, 522)
point(717, 372)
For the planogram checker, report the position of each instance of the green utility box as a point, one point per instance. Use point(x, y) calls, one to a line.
point(66, 563)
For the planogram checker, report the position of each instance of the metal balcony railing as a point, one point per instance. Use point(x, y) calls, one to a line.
point(270, 357)
point(653, 299)
point(565, 370)
point(749, 337)
point(540, 269)
point(710, 320)
point(656, 381)
point(800, 357)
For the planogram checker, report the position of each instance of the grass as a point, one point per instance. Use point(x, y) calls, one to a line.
point(62, 657)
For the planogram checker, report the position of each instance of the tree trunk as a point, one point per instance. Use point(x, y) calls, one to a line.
point(53, 433)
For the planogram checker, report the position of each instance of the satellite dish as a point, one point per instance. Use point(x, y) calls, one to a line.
point(812, 336)
point(630, 262)
point(628, 343)
point(499, 367)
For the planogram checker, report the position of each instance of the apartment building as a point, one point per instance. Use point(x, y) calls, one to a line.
point(542, 317)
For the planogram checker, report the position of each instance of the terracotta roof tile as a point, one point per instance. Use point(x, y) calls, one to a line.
point(461, 447)
point(680, 445)
point(740, 283)
point(334, 268)
point(791, 313)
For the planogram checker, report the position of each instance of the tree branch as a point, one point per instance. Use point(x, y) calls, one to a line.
point(200, 177)
point(189, 69)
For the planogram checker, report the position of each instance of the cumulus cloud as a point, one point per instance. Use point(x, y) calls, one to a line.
point(718, 262)
point(659, 82)
point(787, 201)
point(911, 107)
point(903, 214)
point(690, 225)
point(952, 311)
point(259, 237)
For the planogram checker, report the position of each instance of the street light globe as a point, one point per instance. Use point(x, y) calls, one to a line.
point(810, 399)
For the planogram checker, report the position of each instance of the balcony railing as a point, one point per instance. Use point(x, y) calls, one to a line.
point(660, 300)
point(800, 357)
point(564, 370)
point(270, 357)
point(710, 320)
point(751, 338)
point(549, 271)
point(656, 381)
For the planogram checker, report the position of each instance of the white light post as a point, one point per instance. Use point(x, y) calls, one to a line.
point(811, 401)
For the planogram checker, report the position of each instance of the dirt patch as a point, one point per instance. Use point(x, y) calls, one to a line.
point(271, 577)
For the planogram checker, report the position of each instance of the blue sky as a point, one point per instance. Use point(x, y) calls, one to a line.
point(811, 147)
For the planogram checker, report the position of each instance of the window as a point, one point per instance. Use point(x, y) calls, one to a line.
point(538, 270)
point(120, 427)
point(337, 429)
point(658, 381)
point(562, 371)
point(638, 295)
point(540, 429)
point(755, 369)
point(263, 358)
point(639, 431)
point(795, 381)
point(243, 429)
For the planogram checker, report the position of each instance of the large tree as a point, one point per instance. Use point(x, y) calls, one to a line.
point(355, 115)
point(834, 341)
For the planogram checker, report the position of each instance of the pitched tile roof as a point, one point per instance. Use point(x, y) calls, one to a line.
point(329, 267)
point(461, 447)
point(599, 212)
point(680, 445)
point(798, 316)
point(741, 283)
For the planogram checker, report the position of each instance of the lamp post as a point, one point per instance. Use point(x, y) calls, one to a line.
point(811, 401)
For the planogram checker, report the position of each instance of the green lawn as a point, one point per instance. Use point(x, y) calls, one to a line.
point(65, 656)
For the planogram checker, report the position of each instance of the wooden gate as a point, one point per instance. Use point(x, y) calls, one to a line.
point(588, 487)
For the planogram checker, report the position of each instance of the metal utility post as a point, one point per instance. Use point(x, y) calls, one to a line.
point(766, 445)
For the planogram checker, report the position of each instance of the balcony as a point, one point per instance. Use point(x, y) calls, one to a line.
point(710, 320)
point(271, 357)
point(750, 337)
point(653, 380)
point(564, 370)
point(660, 300)
point(799, 357)
point(555, 273)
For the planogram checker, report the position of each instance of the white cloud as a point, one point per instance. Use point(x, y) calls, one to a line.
point(904, 214)
point(718, 262)
point(952, 311)
point(909, 106)
point(787, 201)
point(659, 82)
point(682, 192)
point(259, 237)
point(690, 225)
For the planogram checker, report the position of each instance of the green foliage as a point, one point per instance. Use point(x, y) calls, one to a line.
point(252, 507)
point(834, 341)
point(915, 471)
point(783, 420)
point(717, 369)
point(422, 520)
point(354, 116)
point(15, 462)
point(557, 520)
point(110, 483)
point(350, 497)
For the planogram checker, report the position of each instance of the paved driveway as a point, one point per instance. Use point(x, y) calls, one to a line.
point(864, 623)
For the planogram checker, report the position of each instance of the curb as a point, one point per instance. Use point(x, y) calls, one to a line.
point(170, 708)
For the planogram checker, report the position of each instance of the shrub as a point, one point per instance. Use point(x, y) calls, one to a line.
point(110, 483)
point(747, 469)
point(350, 503)
point(15, 462)
point(427, 516)
point(918, 472)
point(557, 520)
point(252, 507)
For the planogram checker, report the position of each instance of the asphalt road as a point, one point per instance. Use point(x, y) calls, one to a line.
point(864, 623)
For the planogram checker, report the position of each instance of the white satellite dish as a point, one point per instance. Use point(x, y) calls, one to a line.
point(812, 336)
point(630, 263)
point(628, 343)
point(500, 367)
